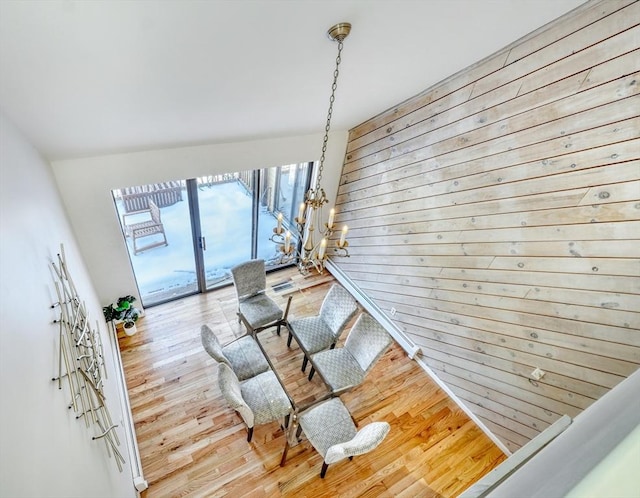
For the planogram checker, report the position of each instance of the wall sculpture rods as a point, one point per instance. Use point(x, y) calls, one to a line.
point(81, 362)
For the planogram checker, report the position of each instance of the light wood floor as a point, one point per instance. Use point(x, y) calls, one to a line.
point(192, 444)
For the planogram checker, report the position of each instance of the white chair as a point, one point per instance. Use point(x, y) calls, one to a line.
point(320, 332)
point(146, 228)
point(258, 400)
point(243, 355)
point(255, 309)
point(331, 430)
point(346, 367)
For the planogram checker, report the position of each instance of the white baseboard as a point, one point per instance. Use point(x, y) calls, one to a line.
point(139, 481)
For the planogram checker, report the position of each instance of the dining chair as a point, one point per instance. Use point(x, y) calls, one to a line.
point(320, 332)
point(255, 309)
point(258, 400)
point(331, 430)
point(346, 367)
point(243, 354)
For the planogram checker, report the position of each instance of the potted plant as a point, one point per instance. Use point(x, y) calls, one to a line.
point(123, 311)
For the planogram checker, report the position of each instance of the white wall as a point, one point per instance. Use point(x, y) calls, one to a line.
point(85, 185)
point(44, 451)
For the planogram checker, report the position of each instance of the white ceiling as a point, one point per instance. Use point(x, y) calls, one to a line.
point(95, 77)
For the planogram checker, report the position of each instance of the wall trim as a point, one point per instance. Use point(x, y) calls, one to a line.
point(411, 348)
point(128, 426)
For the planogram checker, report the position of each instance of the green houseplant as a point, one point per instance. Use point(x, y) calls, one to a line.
point(123, 311)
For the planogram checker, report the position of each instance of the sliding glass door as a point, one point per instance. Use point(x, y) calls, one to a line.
point(283, 189)
point(225, 224)
point(183, 237)
point(161, 250)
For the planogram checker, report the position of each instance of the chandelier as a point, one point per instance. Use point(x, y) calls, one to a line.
point(308, 227)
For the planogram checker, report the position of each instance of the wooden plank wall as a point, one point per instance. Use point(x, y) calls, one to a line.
point(499, 213)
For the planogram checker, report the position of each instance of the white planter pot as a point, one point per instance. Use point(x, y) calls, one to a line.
point(130, 328)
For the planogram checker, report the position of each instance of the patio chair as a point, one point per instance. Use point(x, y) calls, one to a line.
point(331, 430)
point(346, 367)
point(145, 228)
point(255, 309)
point(320, 332)
point(258, 400)
point(243, 355)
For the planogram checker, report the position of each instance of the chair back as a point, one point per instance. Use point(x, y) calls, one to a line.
point(249, 278)
point(367, 341)
point(338, 307)
point(155, 212)
point(367, 439)
point(212, 345)
point(232, 392)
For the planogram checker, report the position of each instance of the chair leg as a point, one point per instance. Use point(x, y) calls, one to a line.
point(284, 453)
point(298, 431)
point(313, 370)
point(285, 319)
point(324, 470)
point(278, 329)
point(304, 363)
point(286, 421)
point(250, 434)
point(289, 340)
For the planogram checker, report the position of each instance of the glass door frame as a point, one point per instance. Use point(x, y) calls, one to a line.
point(259, 179)
point(199, 242)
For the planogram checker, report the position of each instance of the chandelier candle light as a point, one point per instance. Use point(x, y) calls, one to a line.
point(313, 252)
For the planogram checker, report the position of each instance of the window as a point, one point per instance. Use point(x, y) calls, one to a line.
point(184, 236)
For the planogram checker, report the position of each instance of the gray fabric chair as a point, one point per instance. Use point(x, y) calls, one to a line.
point(243, 355)
point(346, 367)
point(320, 332)
point(258, 400)
point(330, 429)
point(255, 309)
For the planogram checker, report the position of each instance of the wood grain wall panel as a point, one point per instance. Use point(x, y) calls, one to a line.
point(488, 109)
point(532, 91)
point(594, 12)
point(397, 118)
point(498, 214)
point(608, 141)
point(554, 387)
point(436, 303)
point(502, 385)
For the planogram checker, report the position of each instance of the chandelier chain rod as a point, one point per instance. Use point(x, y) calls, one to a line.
point(332, 99)
point(309, 251)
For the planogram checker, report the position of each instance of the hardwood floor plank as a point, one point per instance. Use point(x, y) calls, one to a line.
point(193, 444)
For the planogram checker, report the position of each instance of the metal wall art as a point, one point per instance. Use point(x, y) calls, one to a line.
point(81, 362)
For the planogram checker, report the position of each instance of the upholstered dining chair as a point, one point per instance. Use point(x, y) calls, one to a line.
point(330, 429)
point(255, 309)
point(346, 367)
point(258, 400)
point(320, 332)
point(243, 355)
